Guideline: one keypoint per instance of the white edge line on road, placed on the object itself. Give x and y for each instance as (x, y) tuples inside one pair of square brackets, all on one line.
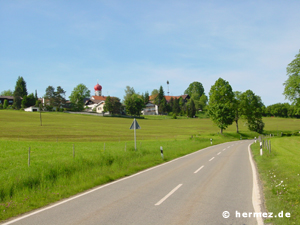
[(168, 195), (198, 169), (211, 158), (255, 190), (98, 188)]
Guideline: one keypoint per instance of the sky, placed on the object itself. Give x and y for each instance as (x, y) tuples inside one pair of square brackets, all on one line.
[(144, 44)]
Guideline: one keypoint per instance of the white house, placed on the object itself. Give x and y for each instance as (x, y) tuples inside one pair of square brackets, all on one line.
[(150, 109)]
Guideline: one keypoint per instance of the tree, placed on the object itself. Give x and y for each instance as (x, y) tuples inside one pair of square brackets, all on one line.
[(195, 88), (145, 97), (134, 105), (129, 91), (28, 101), (252, 108), (176, 108), (49, 96), (162, 108), (7, 93), (292, 84), (112, 105), (59, 97), (160, 96), (77, 96), (202, 102), (5, 104), (220, 103), (154, 93), (20, 92), (191, 108), (170, 105), (237, 108)]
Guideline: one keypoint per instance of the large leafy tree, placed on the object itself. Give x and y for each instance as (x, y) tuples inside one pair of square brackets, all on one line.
[(292, 84), (28, 101), (20, 92), (77, 96), (112, 105), (237, 108), (251, 107), (220, 105), (129, 91), (134, 105), (196, 92), (195, 88)]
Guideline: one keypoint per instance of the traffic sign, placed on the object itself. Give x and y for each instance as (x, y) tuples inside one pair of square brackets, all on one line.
[(135, 125)]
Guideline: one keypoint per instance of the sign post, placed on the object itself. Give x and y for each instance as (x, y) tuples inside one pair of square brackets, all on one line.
[(134, 126)]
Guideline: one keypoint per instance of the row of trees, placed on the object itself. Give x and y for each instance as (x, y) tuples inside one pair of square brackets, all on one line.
[(57, 98), (282, 110), (225, 107), (20, 94)]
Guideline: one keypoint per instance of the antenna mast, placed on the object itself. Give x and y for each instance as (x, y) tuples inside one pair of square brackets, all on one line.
[(168, 87)]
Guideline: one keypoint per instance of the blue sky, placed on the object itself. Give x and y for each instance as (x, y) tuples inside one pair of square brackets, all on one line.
[(143, 44)]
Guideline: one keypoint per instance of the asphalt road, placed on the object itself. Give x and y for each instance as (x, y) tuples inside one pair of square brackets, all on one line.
[(194, 189)]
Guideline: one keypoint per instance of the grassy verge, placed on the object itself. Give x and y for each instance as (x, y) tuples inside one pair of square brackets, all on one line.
[(54, 174), (280, 173)]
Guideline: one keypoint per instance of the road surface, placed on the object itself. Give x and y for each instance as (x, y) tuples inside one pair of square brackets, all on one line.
[(199, 188)]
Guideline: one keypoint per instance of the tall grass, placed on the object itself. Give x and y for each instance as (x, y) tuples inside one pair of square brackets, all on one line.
[(280, 171), (54, 174)]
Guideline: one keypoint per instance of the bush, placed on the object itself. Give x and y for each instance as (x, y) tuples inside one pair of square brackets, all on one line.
[(1, 106), (174, 116)]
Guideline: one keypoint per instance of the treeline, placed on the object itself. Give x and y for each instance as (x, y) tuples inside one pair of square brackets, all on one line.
[(282, 110), (134, 102), (21, 97)]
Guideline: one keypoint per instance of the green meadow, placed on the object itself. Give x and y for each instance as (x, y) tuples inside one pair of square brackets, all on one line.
[(280, 172), (71, 153)]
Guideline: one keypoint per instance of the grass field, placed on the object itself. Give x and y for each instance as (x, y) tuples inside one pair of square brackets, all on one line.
[(54, 173), (280, 172)]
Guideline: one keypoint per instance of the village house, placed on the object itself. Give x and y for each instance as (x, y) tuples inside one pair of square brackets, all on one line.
[(10, 99), (152, 109), (97, 101)]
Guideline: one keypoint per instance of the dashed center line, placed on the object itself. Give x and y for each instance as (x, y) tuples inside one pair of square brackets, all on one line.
[(219, 153), (224, 149), (198, 169), (168, 195), (212, 158)]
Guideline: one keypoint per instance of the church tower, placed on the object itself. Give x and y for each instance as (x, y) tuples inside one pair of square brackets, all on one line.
[(98, 89)]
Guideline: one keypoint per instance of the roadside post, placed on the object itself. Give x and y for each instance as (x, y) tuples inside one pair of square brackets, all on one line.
[(211, 141), (162, 152), (255, 139), (29, 157), (261, 151), (134, 126)]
